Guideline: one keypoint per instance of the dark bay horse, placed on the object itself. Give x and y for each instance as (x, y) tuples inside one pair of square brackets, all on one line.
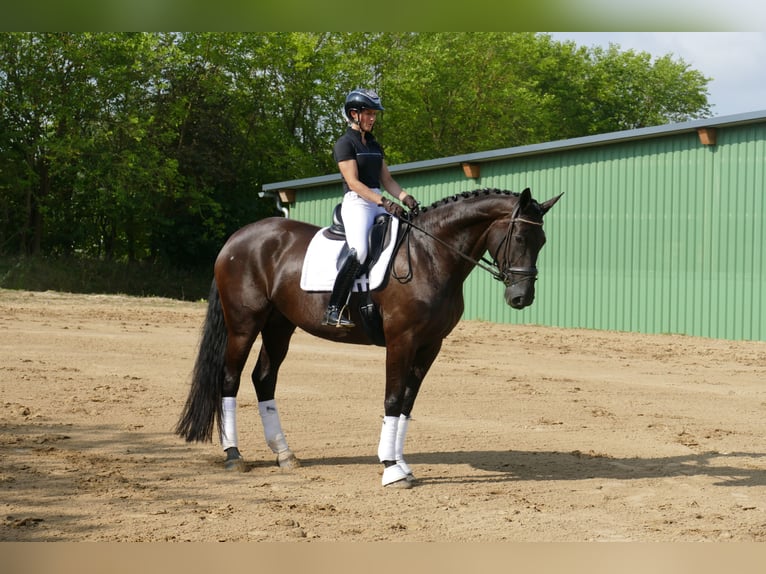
[(257, 290)]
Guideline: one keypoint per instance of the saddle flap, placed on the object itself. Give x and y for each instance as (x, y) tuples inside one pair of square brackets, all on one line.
[(320, 262), (379, 238)]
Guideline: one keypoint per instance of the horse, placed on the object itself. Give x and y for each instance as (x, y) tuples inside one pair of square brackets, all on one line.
[(256, 290)]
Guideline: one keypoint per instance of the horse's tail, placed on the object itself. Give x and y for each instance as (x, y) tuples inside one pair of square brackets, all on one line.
[(203, 405)]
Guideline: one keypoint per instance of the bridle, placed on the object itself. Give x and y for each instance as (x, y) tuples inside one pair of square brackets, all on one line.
[(506, 275), (491, 267)]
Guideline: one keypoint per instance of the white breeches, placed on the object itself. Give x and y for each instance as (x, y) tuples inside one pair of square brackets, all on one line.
[(358, 216)]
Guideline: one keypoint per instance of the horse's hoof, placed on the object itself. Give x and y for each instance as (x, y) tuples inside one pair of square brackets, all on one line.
[(399, 484), (287, 460), (235, 464), (234, 460), (406, 470)]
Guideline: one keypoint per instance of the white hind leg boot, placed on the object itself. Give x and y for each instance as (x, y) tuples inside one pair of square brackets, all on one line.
[(229, 423), (272, 427)]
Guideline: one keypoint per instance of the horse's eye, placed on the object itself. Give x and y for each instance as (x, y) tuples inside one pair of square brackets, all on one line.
[(519, 239)]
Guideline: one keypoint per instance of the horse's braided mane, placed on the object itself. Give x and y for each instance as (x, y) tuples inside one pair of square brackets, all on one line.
[(467, 195)]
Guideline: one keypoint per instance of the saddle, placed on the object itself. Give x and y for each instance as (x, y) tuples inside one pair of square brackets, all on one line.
[(377, 240)]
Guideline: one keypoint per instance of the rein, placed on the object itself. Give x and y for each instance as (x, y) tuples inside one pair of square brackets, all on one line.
[(491, 267)]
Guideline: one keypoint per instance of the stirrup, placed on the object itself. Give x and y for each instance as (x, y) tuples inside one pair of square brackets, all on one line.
[(334, 316)]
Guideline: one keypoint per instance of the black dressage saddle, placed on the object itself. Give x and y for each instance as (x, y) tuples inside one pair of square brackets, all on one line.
[(377, 240)]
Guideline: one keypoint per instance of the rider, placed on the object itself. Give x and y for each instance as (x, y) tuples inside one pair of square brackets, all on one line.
[(363, 167)]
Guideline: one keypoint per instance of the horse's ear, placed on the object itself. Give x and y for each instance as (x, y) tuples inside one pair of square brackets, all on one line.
[(550, 203), (524, 198)]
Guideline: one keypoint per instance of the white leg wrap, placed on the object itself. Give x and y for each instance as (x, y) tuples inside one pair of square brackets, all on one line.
[(387, 445), (229, 423), (401, 435), (272, 427)]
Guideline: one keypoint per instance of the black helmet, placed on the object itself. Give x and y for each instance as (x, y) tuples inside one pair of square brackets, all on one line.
[(361, 99)]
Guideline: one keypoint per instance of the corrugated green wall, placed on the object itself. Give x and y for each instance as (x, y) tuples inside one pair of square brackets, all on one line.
[(660, 235)]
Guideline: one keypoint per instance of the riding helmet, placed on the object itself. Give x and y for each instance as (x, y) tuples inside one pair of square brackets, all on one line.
[(361, 99)]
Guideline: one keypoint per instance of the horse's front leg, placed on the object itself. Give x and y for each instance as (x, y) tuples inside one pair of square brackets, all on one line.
[(398, 362), (423, 361), (404, 374)]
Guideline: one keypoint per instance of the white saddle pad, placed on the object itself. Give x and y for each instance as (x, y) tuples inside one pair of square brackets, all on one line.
[(319, 265)]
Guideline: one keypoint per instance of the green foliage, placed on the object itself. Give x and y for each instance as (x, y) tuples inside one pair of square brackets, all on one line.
[(454, 93), (144, 148), (628, 90)]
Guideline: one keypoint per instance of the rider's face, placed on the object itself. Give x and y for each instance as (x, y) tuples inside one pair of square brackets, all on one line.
[(367, 119)]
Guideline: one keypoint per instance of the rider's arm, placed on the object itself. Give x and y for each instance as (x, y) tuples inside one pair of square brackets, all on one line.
[(390, 184), (350, 172)]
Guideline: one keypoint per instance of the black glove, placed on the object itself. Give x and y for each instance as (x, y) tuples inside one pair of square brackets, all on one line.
[(393, 208), (411, 203)]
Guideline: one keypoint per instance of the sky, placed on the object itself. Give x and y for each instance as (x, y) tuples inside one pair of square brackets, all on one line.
[(734, 61)]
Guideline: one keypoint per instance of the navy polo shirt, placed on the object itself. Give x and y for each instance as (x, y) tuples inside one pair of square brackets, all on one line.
[(369, 158)]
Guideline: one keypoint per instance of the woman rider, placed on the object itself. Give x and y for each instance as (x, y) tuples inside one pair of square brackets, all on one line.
[(363, 167)]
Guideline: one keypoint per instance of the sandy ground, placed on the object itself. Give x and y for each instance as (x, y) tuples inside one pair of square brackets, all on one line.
[(520, 433)]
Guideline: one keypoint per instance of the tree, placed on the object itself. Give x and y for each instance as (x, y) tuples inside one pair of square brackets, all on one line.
[(153, 146), (636, 92), (77, 112), (40, 85), (453, 93)]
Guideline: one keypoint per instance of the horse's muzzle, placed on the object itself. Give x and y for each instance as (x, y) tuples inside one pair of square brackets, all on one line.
[(520, 290), (519, 301)]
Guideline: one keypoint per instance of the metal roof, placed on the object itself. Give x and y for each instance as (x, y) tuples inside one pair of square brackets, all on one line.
[(541, 148)]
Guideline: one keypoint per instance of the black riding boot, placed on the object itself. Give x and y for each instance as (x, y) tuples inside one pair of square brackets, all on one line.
[(341, 292)]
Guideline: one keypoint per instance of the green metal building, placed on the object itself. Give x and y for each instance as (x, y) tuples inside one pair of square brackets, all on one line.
[(660, 230)]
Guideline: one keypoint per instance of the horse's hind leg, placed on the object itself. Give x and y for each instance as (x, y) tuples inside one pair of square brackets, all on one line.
[(237, 350), (276, 340)]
